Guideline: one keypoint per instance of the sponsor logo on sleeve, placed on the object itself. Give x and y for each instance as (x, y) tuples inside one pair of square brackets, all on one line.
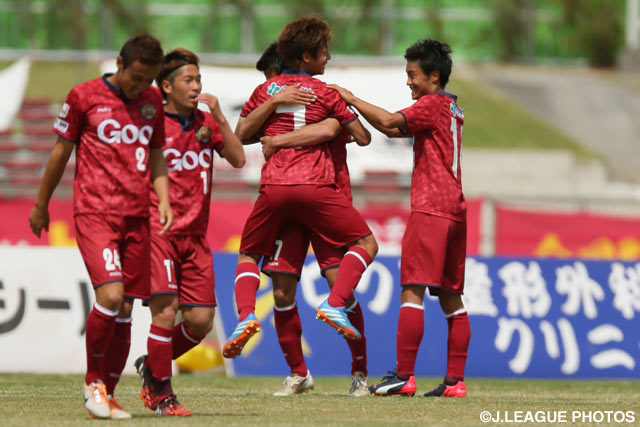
[(203, 134), (456, 111), (61, 125), (64, 111), (148, 111)]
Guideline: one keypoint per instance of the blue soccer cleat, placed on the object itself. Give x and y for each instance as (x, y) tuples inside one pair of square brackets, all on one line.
[(240, 335), (337, 317)]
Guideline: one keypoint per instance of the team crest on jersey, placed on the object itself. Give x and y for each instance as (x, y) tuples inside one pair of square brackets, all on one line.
[(148, 111), (203, 134)]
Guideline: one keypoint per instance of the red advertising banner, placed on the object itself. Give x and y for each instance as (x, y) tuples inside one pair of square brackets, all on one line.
[(581, 235), (225, 226)]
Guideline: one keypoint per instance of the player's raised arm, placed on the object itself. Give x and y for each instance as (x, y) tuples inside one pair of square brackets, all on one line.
[(232, 151), (383, 120), (160, 181), (308, 135), (39, 216), (248, 126)]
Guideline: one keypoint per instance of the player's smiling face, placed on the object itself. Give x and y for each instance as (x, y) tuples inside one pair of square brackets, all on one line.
[(420, 83), (315, 66), (186, 87), (136, 78)]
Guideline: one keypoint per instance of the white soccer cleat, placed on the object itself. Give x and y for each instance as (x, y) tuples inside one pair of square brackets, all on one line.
[(117, 411), (295, 384), (358, 385), (95, 400)]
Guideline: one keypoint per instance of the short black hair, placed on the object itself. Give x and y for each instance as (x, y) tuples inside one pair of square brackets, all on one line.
[(432, 55), (144, 48), (174, 60), (270, 59)]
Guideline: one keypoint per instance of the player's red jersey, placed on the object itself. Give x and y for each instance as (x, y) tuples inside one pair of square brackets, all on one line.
[(338, 149), (435, 121), (113, 136), (308, 165), (188, 149)]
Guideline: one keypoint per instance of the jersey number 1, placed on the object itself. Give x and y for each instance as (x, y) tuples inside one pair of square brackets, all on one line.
[(299, 112), (456, 153)]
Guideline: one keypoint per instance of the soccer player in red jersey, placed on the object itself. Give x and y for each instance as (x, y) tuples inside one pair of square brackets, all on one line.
[(297, 184), (434, 243), (181, 263), (116, 123), (285, 267)]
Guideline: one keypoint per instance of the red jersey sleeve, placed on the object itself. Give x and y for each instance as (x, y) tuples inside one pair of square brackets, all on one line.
[(337, 107), (254, 102), (216, 135), (70, 121), (422, 115), (157, 139)]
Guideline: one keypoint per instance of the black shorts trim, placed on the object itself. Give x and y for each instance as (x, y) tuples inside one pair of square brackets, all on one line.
[(269, 271), (189, 304), (107, 282), (432, 288), (323, 270)]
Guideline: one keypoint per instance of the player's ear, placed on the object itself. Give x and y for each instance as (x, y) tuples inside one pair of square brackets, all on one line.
[(434, 77), (120, 63), (166, 86), (306, 56)]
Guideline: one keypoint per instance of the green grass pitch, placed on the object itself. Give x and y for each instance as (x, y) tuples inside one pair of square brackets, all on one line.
[(35, 400)]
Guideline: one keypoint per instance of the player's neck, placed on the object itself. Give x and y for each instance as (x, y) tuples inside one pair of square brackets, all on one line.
[(172, 108)]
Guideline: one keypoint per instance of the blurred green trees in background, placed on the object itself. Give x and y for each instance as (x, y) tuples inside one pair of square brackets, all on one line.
[(507, 30)]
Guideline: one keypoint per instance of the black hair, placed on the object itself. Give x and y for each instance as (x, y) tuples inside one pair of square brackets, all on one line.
[(270, 59), (432, 56), (143, 48)]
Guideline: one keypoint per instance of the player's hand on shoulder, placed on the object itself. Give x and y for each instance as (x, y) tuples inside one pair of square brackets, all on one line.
[(346, 94), (39, 219), (294, 95), (268, 146)]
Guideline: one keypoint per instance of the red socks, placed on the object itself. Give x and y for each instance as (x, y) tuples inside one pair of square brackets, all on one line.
[(353, 264), (410, 330), (99, 329), (247, 283), (289, 331), (160, 349), (457, 343), (358, 347), (117, 353), (183, 340)]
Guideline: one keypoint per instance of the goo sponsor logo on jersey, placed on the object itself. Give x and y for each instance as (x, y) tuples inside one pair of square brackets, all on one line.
[(187, 161), (111, 131)]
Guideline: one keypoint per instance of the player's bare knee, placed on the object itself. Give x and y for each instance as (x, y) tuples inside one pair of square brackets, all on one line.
[(450, 303), (201, 327), (282, 298), (369, 244)]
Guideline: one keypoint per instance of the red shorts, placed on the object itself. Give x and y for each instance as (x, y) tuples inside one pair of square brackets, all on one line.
[(182, 265), (115, 249), (321, 209), (291, 248), (434, 251)]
